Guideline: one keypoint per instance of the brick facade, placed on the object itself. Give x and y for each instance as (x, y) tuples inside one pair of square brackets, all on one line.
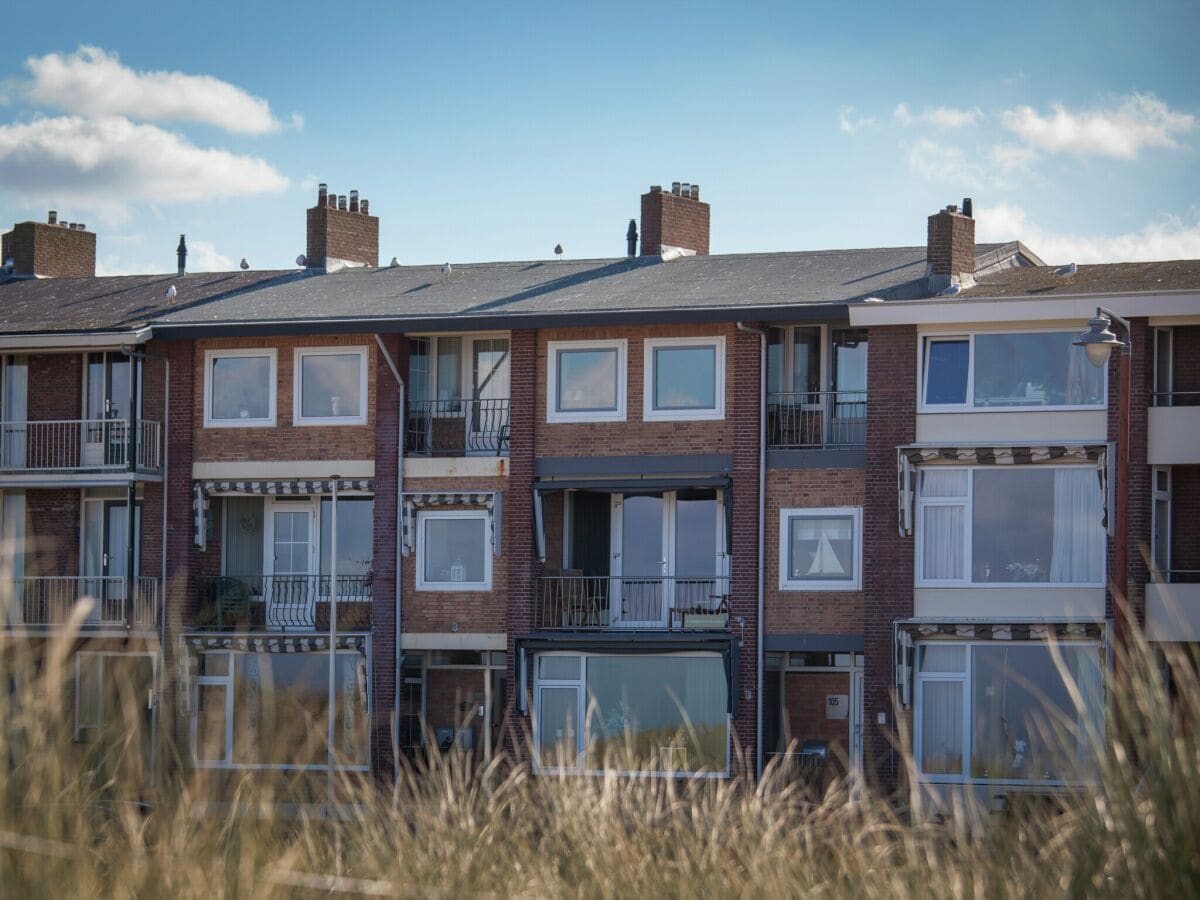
[(950, 247), (51, 251), (337, 234), (673, 220)]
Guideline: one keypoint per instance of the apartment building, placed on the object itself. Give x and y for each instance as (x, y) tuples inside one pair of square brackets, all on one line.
[(666, 511)]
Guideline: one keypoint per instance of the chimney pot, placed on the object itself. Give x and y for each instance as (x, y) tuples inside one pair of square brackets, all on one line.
[(332, 198), (52, 218), (344, 241), (365, 207), (685, 189), (322, 193), (665, 224), (675, 188), (342, 202), (968, 208), (656, 188), (354, 201), (82, 227), (695, 192)]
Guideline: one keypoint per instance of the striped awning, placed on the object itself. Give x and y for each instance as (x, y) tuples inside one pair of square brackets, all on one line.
[(275, 643), (202, 490), (907, 458), (489, 500)]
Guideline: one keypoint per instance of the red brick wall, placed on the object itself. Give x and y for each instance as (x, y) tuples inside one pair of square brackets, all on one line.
[(52, 524), (1138, 487), (55, 386), (53, 251), (674, 220), (950, 248), (819, 612), (341, 234)]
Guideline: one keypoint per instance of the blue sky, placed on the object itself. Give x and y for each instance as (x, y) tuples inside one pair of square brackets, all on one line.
[(494, 131)]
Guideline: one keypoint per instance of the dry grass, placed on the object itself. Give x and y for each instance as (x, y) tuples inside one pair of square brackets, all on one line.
[(452, 831)]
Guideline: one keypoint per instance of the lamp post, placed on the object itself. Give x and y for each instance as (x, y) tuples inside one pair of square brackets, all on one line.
[(1099, 342)]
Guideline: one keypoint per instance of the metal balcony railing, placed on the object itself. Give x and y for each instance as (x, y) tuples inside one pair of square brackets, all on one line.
[(816, 419), (571, 602), (49, 600), (461, 426), (1176, 576), (66, 445), (1175, 398), (280, 601)]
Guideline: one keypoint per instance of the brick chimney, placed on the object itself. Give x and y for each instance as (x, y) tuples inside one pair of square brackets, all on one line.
[(675, 219), (950, 247), (338, 235), (50, 249)]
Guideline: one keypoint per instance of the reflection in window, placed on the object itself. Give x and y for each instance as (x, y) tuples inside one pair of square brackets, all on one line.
[(454, 553), (587, 380), (241, 388), (1034, 370), (685, 377), (946, 371), (330, 385), (356, 543), (821, 548)]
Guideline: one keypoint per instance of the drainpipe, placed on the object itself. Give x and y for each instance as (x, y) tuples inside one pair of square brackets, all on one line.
[(399, 521), (762, 508)]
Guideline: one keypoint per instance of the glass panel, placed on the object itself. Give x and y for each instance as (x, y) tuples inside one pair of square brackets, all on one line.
[(941, 727), (1162, 518), (944, 482), (244, 517), (1025, 725), (1162, 365), (291, 543), (455, 658), (821, 548), (418, 369), (806, 360), (943, 658), (942, 542), (657, 713), (14, 410), (849, 359), (498, 658), (449, 368), (350, 728), (210, 722), (946, 371), (685, 377), (356, 542), (558, 726), (642, 536), (12, 542), (95, 387), (489, 368), (1034, 370), (213, 665), (775, 346), (455, 550), (587, 380), (329, 385), (241, 388), (558, 668), (118, 386), (695, 537)]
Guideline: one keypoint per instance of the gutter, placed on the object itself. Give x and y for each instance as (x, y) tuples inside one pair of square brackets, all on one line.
[(70, 342), (762, 509)]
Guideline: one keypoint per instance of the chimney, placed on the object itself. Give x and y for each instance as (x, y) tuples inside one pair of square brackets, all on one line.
[(675, 219), (50, 249), (950, 248), (181, 253), (631, 238), (340, 233)]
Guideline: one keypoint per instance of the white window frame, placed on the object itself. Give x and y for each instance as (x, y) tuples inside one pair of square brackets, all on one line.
[(714, 413), (967, 503), (211, 356), (298, 417), (1157, 540), (964, 678), (787, 583), (554, 414), (426, 515), (928, 337)]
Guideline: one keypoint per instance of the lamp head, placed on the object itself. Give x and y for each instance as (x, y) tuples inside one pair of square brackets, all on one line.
[(1099, 341)]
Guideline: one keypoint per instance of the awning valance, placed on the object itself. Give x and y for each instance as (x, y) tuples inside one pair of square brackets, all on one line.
[(489, 500), (202, 490), (907, 458), (274, 643)]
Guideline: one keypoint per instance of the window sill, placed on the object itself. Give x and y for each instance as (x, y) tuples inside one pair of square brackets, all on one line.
[(819, 587), (340, 420), (692, 415), (239, 423)]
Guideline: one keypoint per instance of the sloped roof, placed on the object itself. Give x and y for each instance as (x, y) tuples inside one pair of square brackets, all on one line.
[(1104, 278)]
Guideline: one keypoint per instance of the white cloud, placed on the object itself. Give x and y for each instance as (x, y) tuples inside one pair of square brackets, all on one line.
[(1167, 238), (940, 116), (951, 165), (1120, 132), (106, 164), (94, 82), (203, 256), (849, 124), (1012, 157)]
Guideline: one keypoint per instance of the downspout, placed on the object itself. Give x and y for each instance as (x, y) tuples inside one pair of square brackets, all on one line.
[(762, 509), (399, 522)]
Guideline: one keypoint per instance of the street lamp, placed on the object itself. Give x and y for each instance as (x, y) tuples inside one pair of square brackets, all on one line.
[(1099, 341)]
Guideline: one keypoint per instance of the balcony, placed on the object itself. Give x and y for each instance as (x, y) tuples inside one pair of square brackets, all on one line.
[(48, 602), (1174, 422), (1173, 606), (78, 445), (281, 602), (457, 427), (817, 420), (570, 602)]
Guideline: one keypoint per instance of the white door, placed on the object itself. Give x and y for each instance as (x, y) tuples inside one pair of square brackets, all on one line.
[(639, 561), (487, 413), (291, 592)]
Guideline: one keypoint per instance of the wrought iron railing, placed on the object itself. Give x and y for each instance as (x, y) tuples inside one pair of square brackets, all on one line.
[(570, 602), (460, 426), (277, 601), (50, 600), (816, 419), (64, 445), (1175, 398)]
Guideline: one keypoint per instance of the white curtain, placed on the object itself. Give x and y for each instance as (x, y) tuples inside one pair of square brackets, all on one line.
[(942, 542), (1089, 678), (1085, 382), (941, 727), (1078, 553)]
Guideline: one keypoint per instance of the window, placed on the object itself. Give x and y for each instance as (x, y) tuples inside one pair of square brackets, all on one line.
[(239, 388), (820, 549), (1003, 711), (585, 381), (1004, 370), (1160, 539), (453, 552), (659, 714), (356, 545), (684, 379), (331, 386), (1010, 525)]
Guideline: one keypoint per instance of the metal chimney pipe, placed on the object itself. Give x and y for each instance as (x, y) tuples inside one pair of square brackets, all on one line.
[(675, 188), (631, 237), (322, 194), (354, 201), (181, 254), (365, 207), (52, 218), (342, 202)]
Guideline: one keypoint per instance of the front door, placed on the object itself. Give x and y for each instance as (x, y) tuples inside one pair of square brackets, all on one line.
[(291, 594), (106, 409), (639, 561), (106, 559)]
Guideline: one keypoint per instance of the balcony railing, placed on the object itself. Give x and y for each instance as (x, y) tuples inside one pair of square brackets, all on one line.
[(1176, 576), (49, 600), (280, 602), (816, 419), (653, 603), (457, 427), (66, 445), (1175, 398)]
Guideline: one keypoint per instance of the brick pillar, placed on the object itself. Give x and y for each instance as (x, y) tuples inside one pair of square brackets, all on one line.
[(744, 375), (519, 549), (384, 564), (1139, 505), (888, 557)]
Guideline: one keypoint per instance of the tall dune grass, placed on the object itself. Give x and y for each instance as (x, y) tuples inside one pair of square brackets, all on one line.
[(75, 825)]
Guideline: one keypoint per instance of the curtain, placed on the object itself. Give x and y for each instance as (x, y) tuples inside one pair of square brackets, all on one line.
[(1078, 551), (942, 727), (1085, 382), (15, 411), (12, 549), (942, 542), (1089, 678)]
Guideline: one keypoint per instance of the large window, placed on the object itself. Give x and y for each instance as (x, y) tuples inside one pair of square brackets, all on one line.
[(239, 388), (585, 381), (1004, 711), (998, 371), (820, 549), (684, 379), (453, 551), (331, 386), (1010, 525), (666, 713), (355, 545)]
